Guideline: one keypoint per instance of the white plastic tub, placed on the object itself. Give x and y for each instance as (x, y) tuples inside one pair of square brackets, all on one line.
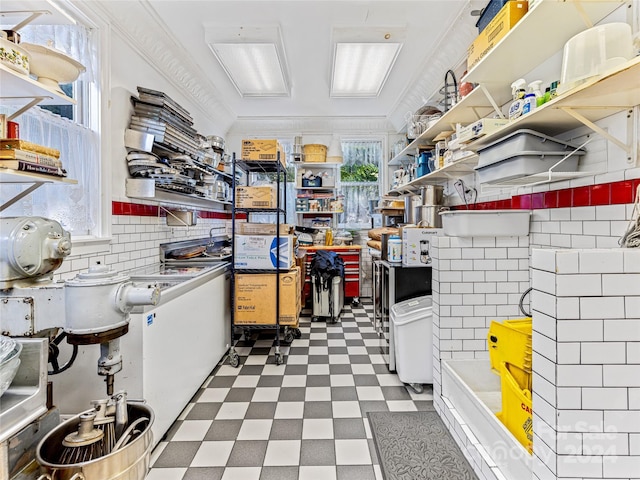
[(485, 223), (523, 142), (527, 163), (412, 337)]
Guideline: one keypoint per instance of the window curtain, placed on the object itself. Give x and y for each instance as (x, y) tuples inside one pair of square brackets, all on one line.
[(76, 207), (359, 181)]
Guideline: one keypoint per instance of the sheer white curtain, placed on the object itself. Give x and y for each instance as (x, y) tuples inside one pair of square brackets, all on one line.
[(76, 207), (359, 180)]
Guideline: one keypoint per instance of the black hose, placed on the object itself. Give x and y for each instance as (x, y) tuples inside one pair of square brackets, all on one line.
[(520, 304)]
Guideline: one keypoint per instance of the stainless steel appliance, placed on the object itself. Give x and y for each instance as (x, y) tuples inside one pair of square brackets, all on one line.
[(92, 308), (394, 283)]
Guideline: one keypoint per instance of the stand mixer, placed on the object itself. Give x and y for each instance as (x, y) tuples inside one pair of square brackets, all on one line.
[(92, 308)]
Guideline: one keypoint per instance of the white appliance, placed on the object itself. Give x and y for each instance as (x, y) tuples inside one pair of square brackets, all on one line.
[(171, 349), (412, 331)]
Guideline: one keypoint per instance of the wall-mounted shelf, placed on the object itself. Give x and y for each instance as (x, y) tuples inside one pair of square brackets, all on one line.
[(315, 188), (180, 199), (8, 175), (18, 89), (482, 101), (453, 170), (585, 104), (541, 33), (536, 179)]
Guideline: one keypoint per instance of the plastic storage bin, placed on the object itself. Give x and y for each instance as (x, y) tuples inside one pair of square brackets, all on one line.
[(488, 12), (593, 52), (517, 408), (322, 301), (523, 164), (522, 141), (411, 322)]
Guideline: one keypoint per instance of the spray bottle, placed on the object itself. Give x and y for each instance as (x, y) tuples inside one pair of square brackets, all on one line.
[(518, 91)]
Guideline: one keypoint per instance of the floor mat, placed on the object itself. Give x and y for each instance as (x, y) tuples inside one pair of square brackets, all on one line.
[(417, 446)]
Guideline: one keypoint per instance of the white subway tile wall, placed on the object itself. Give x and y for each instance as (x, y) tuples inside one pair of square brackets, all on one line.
[(474, 281), (593, 381), (579, 227)]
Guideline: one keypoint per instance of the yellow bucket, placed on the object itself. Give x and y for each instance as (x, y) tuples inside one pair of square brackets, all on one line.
[(314, 153), (517, 409), (510, 342)]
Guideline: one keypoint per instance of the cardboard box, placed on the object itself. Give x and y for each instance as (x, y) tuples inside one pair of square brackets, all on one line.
[(484, 126), (248, 228), (255, 298), (416, 245), (497, 28), (260, 251), (256, 197), (262, 150)]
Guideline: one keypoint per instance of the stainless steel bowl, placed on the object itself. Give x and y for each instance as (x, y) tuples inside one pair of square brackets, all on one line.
[(130, 462)]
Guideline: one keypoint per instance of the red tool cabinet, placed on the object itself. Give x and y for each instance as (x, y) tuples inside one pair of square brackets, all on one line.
[(350, 255)]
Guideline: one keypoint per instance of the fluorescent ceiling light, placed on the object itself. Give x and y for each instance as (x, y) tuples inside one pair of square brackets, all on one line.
[(253, 58), (360, 69)]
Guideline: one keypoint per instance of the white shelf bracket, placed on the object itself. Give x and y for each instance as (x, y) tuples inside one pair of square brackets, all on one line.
[(33, 15), (585, 121), (21, 195), (491, 100), (34, 101)]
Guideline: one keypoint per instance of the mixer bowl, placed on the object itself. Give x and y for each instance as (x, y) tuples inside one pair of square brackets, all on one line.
[(130, 462), (9, 363)]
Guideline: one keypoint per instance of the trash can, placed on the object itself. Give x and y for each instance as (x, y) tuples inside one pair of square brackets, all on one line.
[(328, 302), (411, 321)]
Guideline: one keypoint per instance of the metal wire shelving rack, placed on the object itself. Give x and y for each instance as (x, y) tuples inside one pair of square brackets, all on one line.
[(267, 167)]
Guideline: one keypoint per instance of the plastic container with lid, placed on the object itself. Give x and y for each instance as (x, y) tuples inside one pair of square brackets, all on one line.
[(593, 52), (394, 249), (412, 329)]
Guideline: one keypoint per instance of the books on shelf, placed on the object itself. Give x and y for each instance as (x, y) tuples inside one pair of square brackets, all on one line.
[(12, 154), (26, 166), (18, 144)]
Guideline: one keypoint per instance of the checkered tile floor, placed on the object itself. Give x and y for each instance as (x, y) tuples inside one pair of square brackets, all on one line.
[(303, 420)]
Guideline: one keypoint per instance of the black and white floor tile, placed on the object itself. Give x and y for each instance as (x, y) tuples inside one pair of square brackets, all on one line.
[(303, 420)]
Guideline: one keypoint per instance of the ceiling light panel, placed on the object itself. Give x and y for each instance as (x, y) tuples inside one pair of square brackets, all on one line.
[(360, 69), (253, 58), (363, 58)]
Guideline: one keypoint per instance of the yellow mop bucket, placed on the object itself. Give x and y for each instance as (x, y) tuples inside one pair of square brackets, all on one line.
[(510, 342), (517, 409)]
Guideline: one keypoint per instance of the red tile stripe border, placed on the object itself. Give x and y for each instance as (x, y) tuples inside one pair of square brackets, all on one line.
[(140, 210), (615, 193)]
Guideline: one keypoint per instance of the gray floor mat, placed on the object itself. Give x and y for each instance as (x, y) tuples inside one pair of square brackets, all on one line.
[(417, 446)]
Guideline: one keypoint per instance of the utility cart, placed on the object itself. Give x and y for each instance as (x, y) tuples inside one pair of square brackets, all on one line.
[(263, 285)]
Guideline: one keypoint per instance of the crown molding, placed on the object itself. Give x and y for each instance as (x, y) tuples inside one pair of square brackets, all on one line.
[(152, 40)]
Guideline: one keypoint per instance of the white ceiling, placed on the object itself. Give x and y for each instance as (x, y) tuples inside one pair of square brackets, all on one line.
[(306, 28), (171, 33)]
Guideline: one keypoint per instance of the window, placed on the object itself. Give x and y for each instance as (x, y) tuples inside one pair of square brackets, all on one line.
[(71, 129), (359, 179)]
